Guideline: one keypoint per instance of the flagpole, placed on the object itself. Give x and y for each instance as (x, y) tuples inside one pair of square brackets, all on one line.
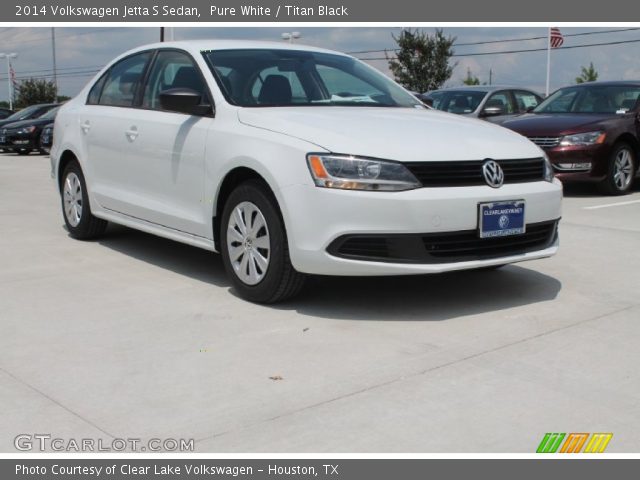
[(546, 93)]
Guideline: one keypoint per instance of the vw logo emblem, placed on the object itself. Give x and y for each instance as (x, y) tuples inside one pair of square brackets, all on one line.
[(503, 221), (493, 174)]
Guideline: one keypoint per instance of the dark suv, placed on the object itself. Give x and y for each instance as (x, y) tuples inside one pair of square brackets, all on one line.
[(590, 133)]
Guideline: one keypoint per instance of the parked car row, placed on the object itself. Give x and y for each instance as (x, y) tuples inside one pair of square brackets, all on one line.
[(590, 132), (22, 132)]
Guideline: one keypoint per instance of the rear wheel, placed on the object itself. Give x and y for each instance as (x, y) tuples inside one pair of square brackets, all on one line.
[(75, 205), (621, 169), (254, 247)]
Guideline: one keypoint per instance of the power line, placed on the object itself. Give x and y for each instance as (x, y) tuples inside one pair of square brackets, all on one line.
[(487, 42), (568, 47)]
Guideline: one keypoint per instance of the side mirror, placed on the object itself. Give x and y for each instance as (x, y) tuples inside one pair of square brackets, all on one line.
[(492, 111), (184, 100)]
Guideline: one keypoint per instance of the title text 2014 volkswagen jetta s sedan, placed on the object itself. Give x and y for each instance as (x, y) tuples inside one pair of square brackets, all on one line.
[(294, 160)]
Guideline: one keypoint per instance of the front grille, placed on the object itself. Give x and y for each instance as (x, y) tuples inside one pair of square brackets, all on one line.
[(445, 247), (469, 172), (546, 142)]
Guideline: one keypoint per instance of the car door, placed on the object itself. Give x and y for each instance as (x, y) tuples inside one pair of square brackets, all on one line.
[(166, 149), (103, 124)]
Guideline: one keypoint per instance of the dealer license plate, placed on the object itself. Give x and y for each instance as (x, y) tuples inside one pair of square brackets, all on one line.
[(501, 219)]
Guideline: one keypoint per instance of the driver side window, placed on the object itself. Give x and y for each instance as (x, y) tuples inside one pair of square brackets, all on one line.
[(171, 69)]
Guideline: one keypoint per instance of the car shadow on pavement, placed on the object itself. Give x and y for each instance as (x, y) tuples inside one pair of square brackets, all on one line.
[(590, 190), (404, 298), (183, 259), (423, 297)]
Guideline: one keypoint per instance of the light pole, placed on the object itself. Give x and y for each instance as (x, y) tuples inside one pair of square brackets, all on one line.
[(291, 36), (9, 56)]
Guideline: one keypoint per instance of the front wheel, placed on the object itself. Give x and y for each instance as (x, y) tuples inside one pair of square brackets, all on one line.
[(75, 205), (254, 247), (620, 170)]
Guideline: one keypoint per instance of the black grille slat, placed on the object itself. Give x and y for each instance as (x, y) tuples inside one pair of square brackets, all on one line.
[(442, 247), (469, 173)]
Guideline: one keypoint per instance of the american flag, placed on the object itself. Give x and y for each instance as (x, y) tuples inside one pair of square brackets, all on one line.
[(12, 75), (555, 37)]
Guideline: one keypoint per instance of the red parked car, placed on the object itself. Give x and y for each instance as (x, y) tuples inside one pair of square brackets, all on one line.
[(590, 133)]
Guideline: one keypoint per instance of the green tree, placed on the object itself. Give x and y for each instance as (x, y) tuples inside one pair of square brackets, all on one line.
[(471, 79), (4, 104), (589, 74), (62, 98), (422, 60), (35, 90)]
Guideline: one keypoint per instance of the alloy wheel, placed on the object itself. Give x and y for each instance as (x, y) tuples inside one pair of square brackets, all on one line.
[(248, 243), (623, 169), (72, 199)]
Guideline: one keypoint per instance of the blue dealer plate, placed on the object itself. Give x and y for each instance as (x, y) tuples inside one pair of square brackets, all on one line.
[(500, 219)]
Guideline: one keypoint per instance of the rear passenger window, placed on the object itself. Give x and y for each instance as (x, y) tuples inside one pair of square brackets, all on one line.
[(96, 90), (123, 80)]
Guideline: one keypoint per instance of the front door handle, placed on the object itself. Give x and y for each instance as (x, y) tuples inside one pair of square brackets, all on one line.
[(86, 126), (132, 133)]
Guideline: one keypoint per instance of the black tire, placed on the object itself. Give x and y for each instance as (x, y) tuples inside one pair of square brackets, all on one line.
[(279, 280), (23, 151), (612, 185), (88, 227)]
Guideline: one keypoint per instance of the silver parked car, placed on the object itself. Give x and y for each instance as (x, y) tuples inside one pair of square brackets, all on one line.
[(496, 103)]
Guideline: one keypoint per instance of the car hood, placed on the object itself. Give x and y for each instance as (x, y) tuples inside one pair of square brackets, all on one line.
[(555, 124), (38, 122), (409, 135)]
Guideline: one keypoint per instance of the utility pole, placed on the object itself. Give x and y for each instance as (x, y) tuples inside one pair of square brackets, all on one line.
[(55, 69), (490, 76)]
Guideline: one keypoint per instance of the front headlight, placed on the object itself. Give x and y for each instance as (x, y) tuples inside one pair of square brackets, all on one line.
[(353, 173), (583, 139), (28, 129), (548, 169)]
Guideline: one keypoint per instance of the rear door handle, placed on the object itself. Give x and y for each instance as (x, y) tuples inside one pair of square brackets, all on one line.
[(132, 133), (86, 126)]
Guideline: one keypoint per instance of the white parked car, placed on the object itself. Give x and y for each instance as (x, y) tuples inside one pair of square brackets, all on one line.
[(293, 160)]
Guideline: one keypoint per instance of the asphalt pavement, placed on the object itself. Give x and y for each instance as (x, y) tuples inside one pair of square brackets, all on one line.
[(135, 336)]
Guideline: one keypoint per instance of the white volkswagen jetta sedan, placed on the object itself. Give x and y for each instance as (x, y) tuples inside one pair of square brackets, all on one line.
[(293, 160)]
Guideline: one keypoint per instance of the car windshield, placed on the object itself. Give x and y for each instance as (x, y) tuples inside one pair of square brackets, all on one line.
[(457, 101), (272, 77), (24, 113), (591, 99), (50, 115)]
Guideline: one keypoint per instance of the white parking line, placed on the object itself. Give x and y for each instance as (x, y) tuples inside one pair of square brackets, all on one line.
[(607, 205)]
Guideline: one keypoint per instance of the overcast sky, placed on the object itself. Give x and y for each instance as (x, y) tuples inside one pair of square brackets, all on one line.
[(80, 51)]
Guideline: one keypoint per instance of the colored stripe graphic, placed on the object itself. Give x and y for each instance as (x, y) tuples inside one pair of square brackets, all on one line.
[(550, 442), (598, 443), (574, 443)]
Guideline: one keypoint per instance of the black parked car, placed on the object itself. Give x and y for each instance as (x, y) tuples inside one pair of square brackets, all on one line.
[(24, 136), (33, 111), (46, 139)]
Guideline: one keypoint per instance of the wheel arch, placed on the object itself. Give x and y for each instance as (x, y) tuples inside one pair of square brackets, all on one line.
[(66, 157), (632, 140), (231, 180)]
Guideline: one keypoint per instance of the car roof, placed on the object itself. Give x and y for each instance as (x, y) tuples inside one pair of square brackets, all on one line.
[(482, 88), (608, 83), (197, 46)]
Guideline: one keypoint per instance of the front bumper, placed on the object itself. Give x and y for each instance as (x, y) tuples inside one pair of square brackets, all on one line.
[(18, 142), (315, 217), (596, 155)]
